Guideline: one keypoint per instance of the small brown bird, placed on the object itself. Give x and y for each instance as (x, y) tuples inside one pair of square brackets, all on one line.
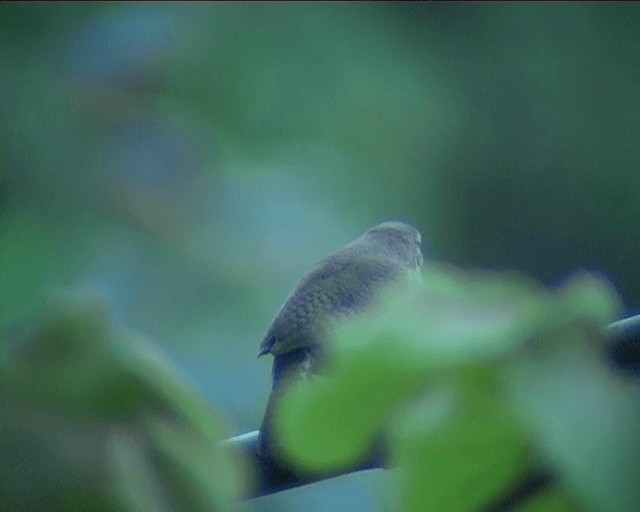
[(345, 283)]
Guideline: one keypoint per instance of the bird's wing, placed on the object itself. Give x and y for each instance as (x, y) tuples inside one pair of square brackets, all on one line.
[(336, 288)]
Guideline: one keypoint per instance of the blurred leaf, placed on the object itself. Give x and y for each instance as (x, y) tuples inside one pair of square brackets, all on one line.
[(454, 343), (464, 462), (384, 360), (550, 500), (136, 487), (329, 423), (87, 410), (69, 363), (190, 464), (585, 422), (164, 387)]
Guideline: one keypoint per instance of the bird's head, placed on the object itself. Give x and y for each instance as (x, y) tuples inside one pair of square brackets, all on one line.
[(398, 241)]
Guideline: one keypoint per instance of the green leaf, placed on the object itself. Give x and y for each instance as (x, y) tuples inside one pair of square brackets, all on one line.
[(550, 500), (97, 420), (135, 485), (463, 462), (197, 474), (585, 422), (436, 365), (329, 423), (382, 361)]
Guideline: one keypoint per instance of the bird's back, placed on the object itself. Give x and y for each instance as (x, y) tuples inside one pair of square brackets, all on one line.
[(338, 287)]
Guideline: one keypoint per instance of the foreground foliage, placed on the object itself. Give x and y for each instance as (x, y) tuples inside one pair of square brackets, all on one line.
[(474, 380), (94, 419), (469, 380)]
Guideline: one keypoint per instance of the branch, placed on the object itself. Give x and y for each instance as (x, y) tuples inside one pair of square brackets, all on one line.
[(270, 477), (623, 351), (624, 345)]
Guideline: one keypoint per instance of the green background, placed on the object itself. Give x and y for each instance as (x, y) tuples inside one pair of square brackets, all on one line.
[(190, 162)]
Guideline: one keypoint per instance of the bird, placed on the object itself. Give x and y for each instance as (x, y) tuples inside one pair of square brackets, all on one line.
[(343, 285)]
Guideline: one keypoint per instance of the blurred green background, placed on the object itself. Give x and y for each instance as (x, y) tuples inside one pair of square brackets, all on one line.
[(190, 162)]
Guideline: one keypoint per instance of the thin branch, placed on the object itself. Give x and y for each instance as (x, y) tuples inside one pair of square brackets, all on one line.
[(270, 477), (624, 345)]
